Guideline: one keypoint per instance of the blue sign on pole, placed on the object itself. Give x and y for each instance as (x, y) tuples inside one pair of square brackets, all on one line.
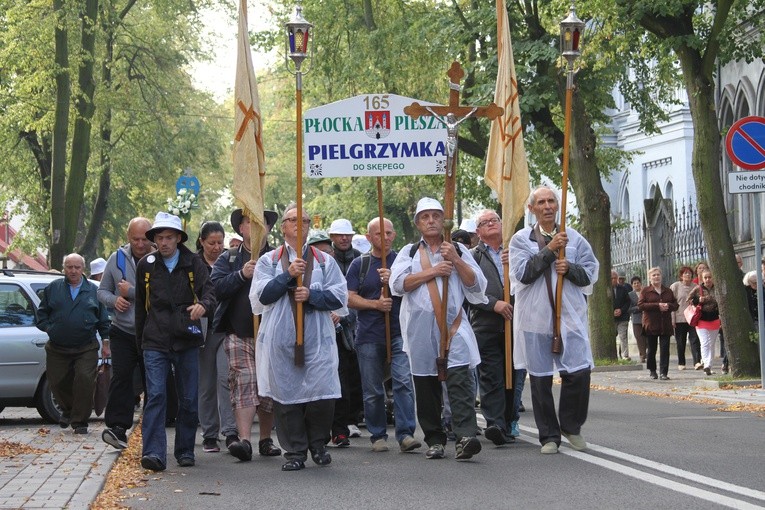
[(189, 182), (745, 143)]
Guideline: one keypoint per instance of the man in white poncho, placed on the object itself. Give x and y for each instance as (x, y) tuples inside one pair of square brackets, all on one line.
[(304, 397), (417, 267), (534, 271)]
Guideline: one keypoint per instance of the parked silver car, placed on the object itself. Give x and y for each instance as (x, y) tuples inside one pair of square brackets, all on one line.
[(22, 346)]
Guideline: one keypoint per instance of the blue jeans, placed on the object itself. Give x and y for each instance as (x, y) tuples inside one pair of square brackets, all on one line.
[(186, 366), (372, 367), (519, 381)]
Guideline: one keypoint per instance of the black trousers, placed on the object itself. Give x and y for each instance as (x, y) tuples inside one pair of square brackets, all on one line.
[(663, 341), (350, 405), (125, 359), (429, 401), (496, 401), (303, 427), (573, 405)]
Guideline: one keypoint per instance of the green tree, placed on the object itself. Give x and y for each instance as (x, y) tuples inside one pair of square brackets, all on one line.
[(704, 35), (132, 102)]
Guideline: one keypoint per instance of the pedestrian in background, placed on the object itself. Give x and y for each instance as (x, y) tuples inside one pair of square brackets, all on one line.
[(97, 268), (232, 276), (349, 407), (684, 332), (621, 301), (657, 304), (709, 325), (71, 315), (215, 414), (366, 279), (637, 316), (117, 291)]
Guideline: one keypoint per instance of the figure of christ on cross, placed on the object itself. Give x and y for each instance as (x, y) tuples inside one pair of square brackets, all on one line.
[(451, 116)]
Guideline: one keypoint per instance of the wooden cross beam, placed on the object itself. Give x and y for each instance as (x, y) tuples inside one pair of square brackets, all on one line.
[(455, 74), (450, 116)]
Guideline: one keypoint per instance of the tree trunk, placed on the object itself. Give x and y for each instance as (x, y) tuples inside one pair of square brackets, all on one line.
[(60, 134), (93, 236), (595, 216), (78, 170), (736, 321)]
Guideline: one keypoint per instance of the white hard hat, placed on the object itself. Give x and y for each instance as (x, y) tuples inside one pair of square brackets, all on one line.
[(427, 204)]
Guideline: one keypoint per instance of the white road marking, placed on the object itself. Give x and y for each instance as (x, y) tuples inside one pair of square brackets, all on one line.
[(690, 490)]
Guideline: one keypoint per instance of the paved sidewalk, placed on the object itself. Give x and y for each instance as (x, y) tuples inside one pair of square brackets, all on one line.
[(73, 470), (70, 473)]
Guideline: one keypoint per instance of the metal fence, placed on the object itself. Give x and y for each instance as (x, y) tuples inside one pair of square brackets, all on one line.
[(678, 237)]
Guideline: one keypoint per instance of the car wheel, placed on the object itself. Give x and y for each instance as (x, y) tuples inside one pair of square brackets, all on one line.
[(46, 404)]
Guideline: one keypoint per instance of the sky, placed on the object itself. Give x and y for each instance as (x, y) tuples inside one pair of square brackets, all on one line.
[(217, 75)]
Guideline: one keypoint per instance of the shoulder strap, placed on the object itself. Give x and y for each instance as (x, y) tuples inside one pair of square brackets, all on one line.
[(191, 284), (146, 278), (319, 255), (435, 299), (366, 261)]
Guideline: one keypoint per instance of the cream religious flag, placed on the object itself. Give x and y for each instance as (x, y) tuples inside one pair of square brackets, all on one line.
[(507, 171), (249, 159)]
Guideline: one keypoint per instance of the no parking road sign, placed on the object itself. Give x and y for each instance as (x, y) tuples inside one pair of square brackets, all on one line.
[(745, 145)]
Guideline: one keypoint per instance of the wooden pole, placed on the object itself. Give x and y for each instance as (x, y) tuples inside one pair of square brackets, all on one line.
[(508, 331), (557, 347), (384, 264), (299, 347)]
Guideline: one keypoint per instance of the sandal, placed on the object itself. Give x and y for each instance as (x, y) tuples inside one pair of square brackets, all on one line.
[(293, 465), (267, 448)]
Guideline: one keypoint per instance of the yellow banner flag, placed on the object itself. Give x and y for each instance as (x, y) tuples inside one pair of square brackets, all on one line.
[(249, 159), (507, 171)]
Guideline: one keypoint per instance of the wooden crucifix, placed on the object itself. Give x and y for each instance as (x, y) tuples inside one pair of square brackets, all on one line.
[(451, 117)]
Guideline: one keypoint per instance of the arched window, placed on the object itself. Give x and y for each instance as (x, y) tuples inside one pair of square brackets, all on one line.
[(726, 120), (625, 212), (668, 190)]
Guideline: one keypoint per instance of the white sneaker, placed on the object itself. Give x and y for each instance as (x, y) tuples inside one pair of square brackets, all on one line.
[(381, 445), (353, 431)]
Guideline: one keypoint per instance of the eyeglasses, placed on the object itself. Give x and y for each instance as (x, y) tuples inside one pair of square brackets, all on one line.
[(294, 220), (492, 221)]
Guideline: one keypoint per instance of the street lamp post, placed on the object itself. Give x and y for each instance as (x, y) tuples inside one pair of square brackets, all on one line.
[(298, 35), (571, 30)]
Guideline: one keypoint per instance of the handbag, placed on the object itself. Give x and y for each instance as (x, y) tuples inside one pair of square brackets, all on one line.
[(692, 314), (101, 393)]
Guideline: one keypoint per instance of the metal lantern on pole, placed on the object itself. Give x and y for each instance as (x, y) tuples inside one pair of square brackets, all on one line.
[(298, 39), (571, 30)]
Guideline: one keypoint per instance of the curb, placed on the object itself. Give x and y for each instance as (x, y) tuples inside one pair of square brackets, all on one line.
[(618, 368), (717, 384)]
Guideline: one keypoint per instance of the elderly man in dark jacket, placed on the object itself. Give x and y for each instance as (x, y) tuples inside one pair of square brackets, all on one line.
[(499, 405), (173, 292), (71, 314)]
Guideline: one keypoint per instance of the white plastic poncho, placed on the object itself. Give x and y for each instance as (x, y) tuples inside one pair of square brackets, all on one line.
[(418, 322), (278, 377), (533, 316)]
